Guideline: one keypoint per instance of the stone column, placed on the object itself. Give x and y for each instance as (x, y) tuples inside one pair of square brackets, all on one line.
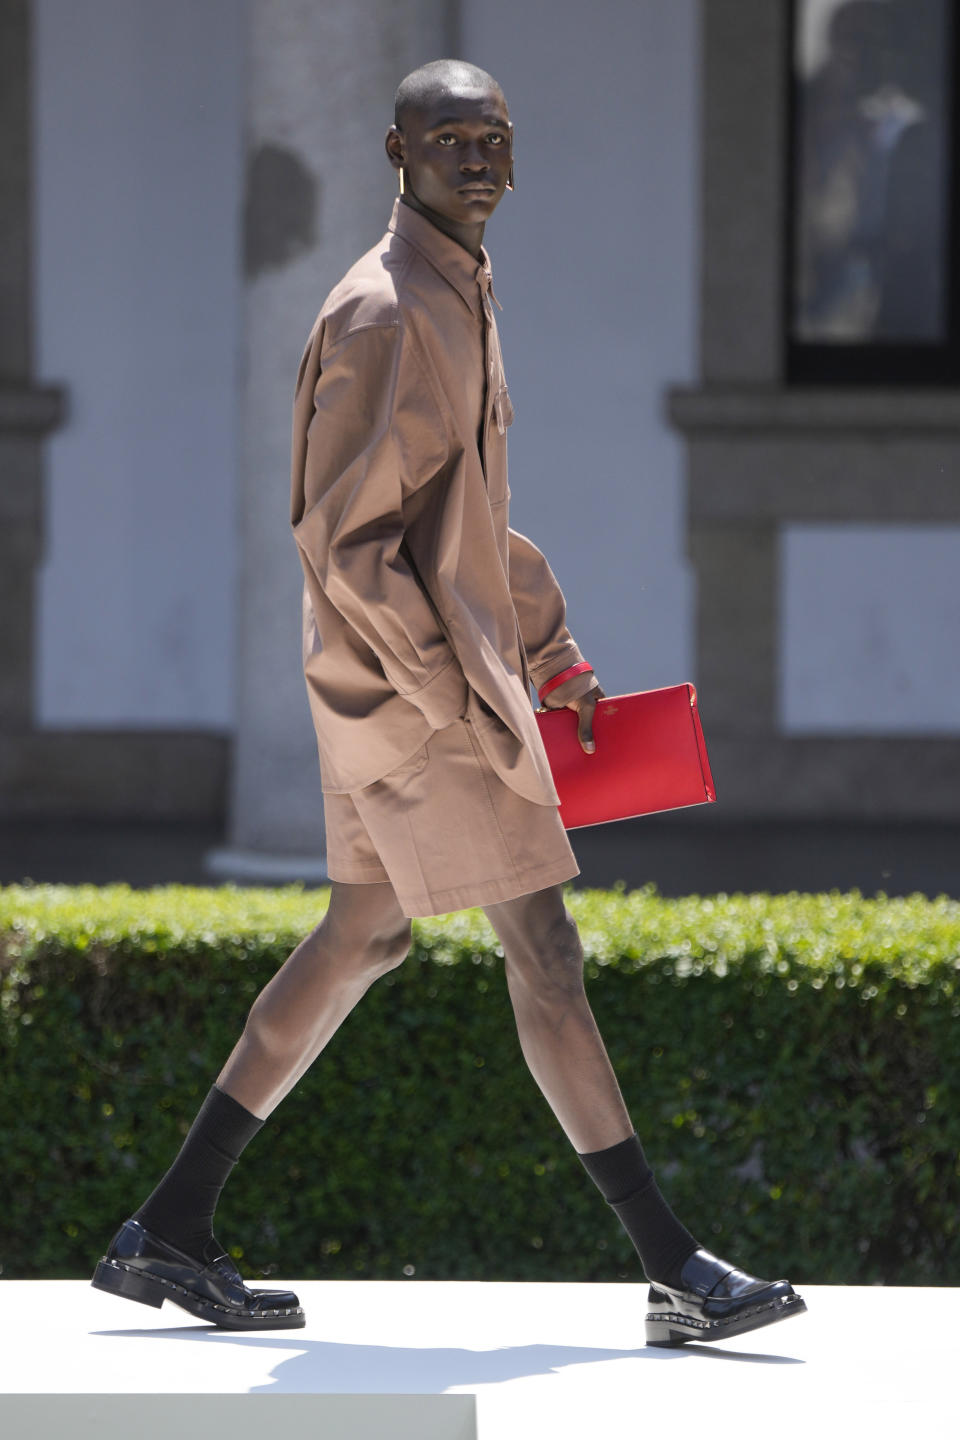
[(320, 84), (741, 344), (27, 412)]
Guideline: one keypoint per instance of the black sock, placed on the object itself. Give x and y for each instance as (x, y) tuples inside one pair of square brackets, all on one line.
[(180, 1210), (626, 1182)]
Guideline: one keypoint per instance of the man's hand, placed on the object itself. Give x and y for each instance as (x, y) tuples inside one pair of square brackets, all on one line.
[(584, 705)]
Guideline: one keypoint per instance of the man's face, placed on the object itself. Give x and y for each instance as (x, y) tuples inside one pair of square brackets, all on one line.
[(457, 154)]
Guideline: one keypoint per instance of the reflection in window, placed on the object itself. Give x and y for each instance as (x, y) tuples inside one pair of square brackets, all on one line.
[(871, 201)]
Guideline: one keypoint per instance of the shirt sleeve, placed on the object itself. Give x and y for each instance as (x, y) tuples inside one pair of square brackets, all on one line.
[(376, 435), (542, 614)]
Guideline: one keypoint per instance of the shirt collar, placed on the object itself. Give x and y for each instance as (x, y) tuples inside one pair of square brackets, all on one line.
[(469, 277)]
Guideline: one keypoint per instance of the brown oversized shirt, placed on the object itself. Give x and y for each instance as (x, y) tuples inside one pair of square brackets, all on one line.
[(421, 605)]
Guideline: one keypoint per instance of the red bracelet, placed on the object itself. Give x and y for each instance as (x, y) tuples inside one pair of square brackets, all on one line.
[(578, 669)]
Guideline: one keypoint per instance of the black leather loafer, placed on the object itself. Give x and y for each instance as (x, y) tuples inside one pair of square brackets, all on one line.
[(716, 1301), (141, 1266)]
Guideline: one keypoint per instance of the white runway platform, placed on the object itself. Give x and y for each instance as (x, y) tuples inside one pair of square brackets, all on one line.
[(419, 1360)]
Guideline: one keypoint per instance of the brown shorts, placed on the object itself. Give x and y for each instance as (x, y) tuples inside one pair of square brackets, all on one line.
[(446, 832)]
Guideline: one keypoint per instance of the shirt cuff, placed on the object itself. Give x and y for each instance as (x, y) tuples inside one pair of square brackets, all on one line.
[(558, 662)]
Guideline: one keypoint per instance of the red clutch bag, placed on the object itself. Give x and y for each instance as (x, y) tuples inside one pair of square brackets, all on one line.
[(650, 756)]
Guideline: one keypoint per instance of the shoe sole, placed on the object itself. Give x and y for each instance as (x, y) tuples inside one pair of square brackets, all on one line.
[(118, 1279), (670, 1329)]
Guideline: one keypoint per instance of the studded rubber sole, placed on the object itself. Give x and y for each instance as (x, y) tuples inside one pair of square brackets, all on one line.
[(118, 1279), (668, 1328)]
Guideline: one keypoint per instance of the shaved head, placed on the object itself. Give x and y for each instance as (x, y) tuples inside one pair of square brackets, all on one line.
[(435, 81), (452, 147)]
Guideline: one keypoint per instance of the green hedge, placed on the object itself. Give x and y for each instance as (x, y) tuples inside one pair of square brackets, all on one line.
[(791, 1062)]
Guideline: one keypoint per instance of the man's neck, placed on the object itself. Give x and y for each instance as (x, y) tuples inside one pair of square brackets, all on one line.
[(469, 236)]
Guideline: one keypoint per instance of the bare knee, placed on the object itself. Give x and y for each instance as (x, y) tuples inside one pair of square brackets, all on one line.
[(334, 962), (386, 951), (367, 947), (563, 953), (364, 932), (549, 962)]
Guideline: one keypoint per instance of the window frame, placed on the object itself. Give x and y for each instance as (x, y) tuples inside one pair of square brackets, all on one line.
[(873, 362)]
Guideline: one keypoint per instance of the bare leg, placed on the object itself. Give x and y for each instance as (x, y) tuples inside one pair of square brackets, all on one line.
[(363, 935), (167, 1250), (558, 1034), (569, 1061)]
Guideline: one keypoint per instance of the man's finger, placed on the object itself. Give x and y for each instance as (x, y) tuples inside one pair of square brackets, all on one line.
[(585, 708)]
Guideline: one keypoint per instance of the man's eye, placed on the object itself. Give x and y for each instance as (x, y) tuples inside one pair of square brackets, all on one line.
[(446, 140), (495, 139)]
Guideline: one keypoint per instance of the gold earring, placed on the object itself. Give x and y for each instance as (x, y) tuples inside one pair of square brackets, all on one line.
[(400, 178), (511, 182)]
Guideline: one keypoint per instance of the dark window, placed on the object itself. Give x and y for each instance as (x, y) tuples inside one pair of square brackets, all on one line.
[(873, 292)]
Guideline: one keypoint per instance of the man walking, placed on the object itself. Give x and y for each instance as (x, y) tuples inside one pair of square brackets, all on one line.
[(425, 620)]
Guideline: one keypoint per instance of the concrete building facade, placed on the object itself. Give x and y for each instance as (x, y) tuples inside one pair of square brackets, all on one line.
[(185, 182)]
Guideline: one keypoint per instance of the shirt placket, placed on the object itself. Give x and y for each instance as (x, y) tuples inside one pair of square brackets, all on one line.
[(496, 390)]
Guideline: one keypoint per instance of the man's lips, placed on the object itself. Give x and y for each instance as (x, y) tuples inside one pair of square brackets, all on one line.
[(476, 189)]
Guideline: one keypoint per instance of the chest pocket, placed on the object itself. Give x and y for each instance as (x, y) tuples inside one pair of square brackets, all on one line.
[(495, 447), (502, 409)]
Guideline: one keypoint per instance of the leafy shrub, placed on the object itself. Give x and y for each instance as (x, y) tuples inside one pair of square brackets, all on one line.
[(792, 1063)]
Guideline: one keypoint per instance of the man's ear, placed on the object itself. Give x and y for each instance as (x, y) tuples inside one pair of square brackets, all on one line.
[(393, 144)]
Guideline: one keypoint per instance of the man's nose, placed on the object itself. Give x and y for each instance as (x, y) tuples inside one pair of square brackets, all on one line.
[(474, 160)]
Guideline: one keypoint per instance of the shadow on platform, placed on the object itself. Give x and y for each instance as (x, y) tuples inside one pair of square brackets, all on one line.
[(340, 1369)]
